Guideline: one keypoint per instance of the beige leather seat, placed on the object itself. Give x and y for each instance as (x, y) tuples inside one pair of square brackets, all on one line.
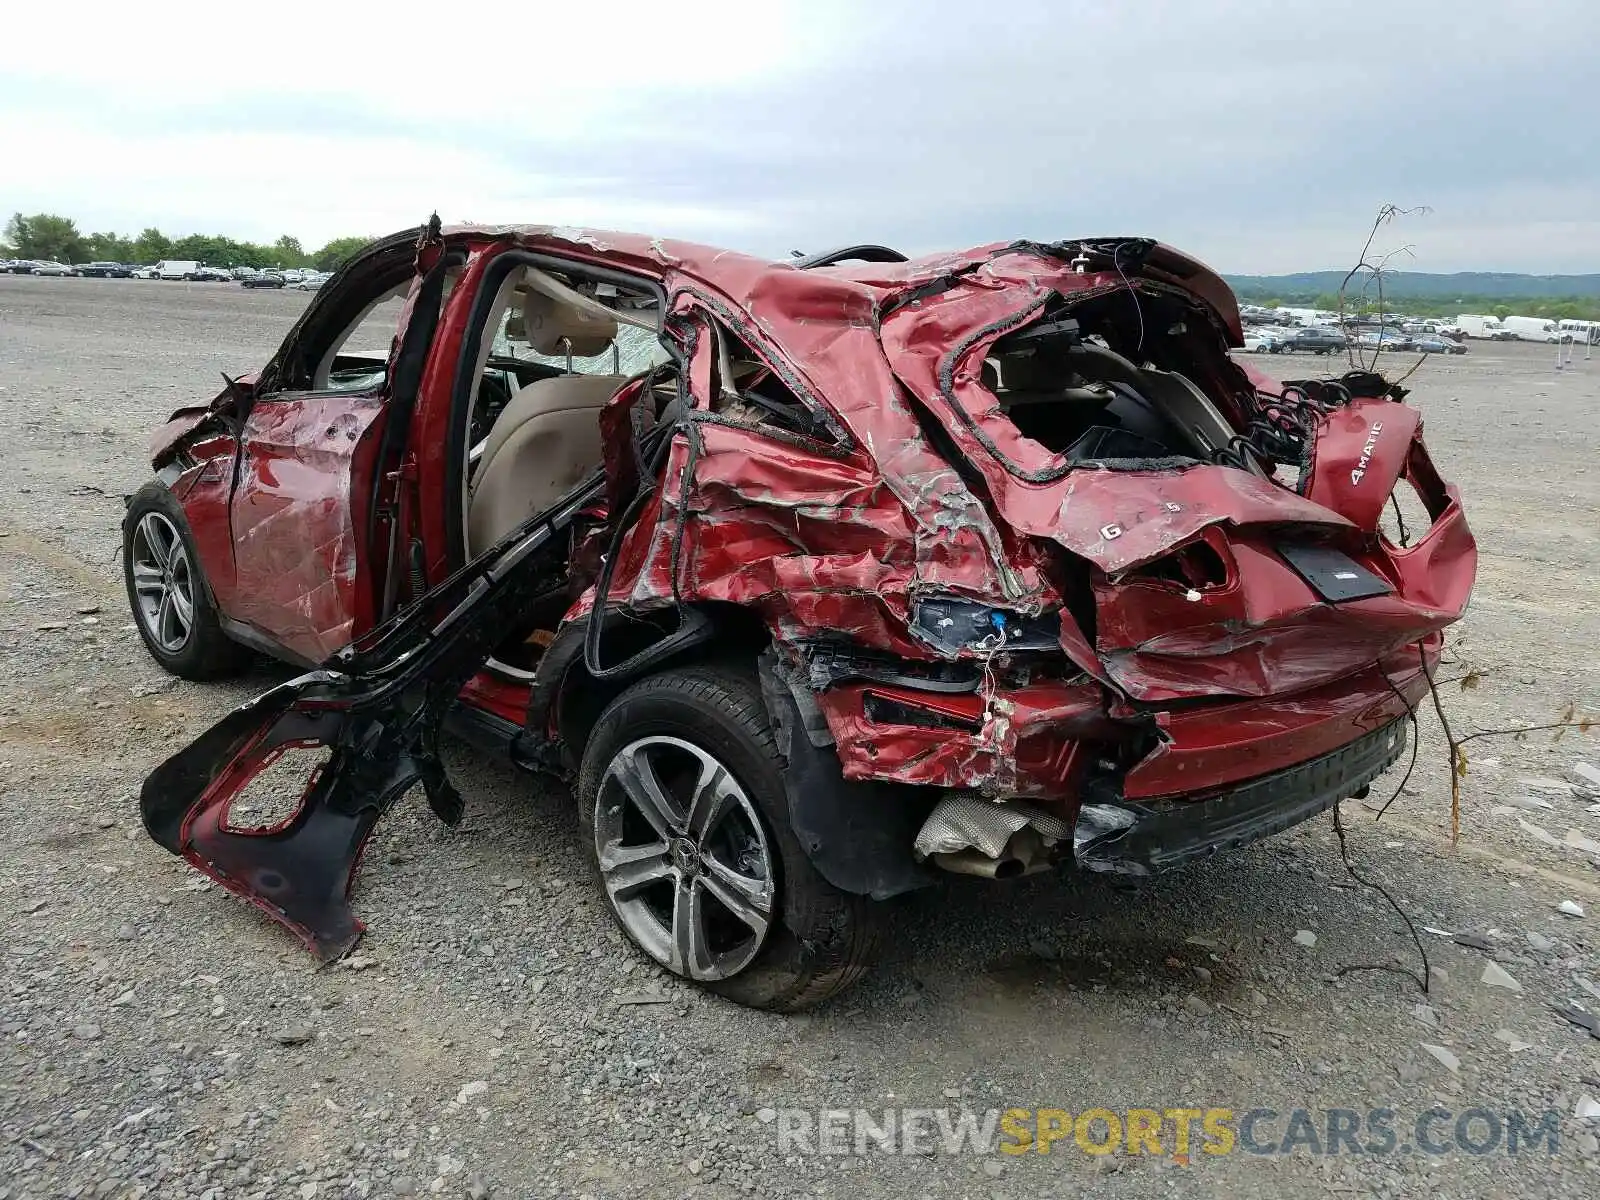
[(548, 436)]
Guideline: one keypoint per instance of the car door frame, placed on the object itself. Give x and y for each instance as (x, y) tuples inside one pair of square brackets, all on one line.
[(444, 406), (352, 503)]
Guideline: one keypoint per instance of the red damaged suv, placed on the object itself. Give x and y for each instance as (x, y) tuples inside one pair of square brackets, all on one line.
[(817, 578)]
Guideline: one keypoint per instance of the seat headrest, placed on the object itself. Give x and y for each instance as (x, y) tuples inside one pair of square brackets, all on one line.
[(553, 327)]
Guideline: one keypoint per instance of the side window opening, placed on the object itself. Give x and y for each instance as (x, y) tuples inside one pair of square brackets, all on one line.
[(617, 339), (358, 360), (633, 349), (553, 349), (746, 389)]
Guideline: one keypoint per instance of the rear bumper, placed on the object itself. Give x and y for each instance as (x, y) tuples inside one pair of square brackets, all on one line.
[(1037, 742), (1146, 839), (1213, 746)]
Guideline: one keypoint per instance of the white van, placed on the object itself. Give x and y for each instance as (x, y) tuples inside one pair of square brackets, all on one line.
[(183, 268), (1583, 332), (1532, 329), (1479, 327)]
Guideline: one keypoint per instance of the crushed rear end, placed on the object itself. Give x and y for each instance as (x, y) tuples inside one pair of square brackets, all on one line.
[(1199, 623)]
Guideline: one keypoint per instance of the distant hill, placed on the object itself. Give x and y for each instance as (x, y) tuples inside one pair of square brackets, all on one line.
[(1422, 285)]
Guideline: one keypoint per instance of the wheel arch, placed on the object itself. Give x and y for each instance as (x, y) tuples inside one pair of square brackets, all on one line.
[(856, 833), (210, 652), (566, 699)]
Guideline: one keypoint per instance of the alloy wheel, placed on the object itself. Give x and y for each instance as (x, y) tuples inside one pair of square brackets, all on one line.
[(685, 860), (163, 582)]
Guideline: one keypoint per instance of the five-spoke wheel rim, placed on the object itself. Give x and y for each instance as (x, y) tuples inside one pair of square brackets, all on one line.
[(162, 582), (684, 857)]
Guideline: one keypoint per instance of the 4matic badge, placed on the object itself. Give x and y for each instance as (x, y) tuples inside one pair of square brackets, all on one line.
[(1366, 453)]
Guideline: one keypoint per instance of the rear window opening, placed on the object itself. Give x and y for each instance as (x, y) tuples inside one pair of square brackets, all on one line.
[(1115, 380), (746, 389)]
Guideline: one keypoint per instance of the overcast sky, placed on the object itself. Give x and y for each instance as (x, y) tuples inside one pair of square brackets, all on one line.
[(1259, 136)]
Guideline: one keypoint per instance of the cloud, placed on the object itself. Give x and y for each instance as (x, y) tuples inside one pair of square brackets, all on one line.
[(1261, 138)]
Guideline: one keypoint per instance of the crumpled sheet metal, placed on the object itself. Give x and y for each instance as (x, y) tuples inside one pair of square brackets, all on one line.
[(1205, 747), (1029, 741), (816, 537), (164, 442), (294, 522), (1359, 453), (1113, 519), (1267, 631), (822, 326)]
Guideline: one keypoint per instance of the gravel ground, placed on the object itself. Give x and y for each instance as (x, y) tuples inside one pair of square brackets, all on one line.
[(493, 1036)]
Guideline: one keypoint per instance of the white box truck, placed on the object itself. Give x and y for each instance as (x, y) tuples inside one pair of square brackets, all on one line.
[(1479, 327), (1532, 329), (183, 268)]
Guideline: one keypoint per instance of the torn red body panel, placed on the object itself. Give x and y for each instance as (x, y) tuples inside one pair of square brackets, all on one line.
[(1008, 522), (295, 515), (1028, 741)]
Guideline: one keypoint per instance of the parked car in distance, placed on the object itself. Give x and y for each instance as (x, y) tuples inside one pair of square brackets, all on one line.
[(1432, 343), (146, 272), (1260, 341), (1383, 339), (262, 279), (182, 268), (52, 268), (1316, 339), (104, 270), (309, 283), (214, 275), (22, 266)]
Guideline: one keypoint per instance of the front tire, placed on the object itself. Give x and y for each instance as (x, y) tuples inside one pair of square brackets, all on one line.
[(684, 816), (168, 593)]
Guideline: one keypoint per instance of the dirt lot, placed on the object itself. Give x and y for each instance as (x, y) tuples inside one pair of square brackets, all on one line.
[(161, 1039)]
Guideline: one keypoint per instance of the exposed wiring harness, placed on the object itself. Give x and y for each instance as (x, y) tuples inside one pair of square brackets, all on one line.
[(1280, 429)]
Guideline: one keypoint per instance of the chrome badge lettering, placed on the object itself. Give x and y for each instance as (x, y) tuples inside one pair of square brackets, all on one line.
[(1366, 453)]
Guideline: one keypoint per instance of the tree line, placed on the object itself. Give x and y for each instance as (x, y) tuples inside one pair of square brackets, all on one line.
[(54, 238), (1551, 308)]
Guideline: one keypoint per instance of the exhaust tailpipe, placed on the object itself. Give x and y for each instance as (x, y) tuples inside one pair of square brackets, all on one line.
[(1025, 854)]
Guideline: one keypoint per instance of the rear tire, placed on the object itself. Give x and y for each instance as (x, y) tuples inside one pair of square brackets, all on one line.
[(670, 736), (168, 593)]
